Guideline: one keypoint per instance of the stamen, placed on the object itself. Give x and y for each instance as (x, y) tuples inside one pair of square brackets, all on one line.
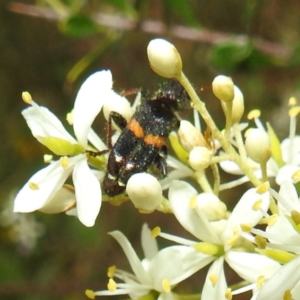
[(155, 232), (47, 158), (292, 101), (27, 98), (272, 219), (287, 295), (263, 188), (111, 271), (253, 114), (232, 240), (246, 227), (166, 285), (90, 294), (296, 176), (111, 286), (213, 278), (228, 294), (64, 162), (294, 111), (295, 217), (256, 206), (261, 242), (260, 281), (33, 186), (193, 202), (69, 117)]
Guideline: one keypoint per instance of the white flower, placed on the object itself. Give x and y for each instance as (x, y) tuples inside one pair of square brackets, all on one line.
[(220, 244), (285, 282), (158, 271), (164, 58), (44, 189), (285, 159), (282, 231)]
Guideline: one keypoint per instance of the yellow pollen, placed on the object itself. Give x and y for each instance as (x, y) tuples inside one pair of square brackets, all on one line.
[(294, 111), (296, 176), (111, 271), (287, 295), (193, 202), (27, 98), (295, 217), (155, 232), (271, 220), (213, 278), (69, 117), (64, 162), (47, 158), (166, 285), (232, 240), (246, 227), (261, 242), (34, 186), (111, 286), (256, 206), (90, 294), (260, 281), (253, 114), (228, 294), (263, 188), (292, 101)]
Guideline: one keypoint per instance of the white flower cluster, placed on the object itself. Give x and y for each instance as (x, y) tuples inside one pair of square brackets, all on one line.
[(266, 257)]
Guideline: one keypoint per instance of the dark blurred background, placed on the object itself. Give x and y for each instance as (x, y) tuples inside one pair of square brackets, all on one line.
[(50, 47)]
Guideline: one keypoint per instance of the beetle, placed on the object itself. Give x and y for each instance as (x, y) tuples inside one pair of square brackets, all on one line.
[(142, 141)]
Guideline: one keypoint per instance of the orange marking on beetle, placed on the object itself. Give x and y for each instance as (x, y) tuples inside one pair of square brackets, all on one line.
[(135, 127), (155, 140)]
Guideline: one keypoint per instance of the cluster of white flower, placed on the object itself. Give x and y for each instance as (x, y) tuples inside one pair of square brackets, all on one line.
[(265, 257)]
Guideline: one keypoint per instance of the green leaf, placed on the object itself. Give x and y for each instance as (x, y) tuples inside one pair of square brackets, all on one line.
[(182, 9), (124, 6), (78, 26), (228, 56)]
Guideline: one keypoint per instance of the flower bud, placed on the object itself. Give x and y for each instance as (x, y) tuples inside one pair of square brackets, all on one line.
[(237, 105), (144, 191), (223, 88), (164, 58), (200, 158), (117, 104), (213, 208), (258, 145), (190, 136)]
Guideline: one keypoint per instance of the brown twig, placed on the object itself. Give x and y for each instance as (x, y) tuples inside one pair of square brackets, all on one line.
[(159, 28)]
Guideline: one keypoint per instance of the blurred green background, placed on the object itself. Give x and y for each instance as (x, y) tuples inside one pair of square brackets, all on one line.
[(50, 47)]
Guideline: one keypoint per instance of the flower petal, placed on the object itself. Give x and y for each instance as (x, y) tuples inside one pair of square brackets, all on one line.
[(92, 94), (217, 290), (180, 195), (289, 193), (41, 187), (149, 243), (285, 173), (132, 257), (63, 200), (245, 213), (88, 193), (282, 232), (184, 262), (250, 266), (284, 279), (43, 123)]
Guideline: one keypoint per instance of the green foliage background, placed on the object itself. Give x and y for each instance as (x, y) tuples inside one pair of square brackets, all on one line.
[(49, 47)]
